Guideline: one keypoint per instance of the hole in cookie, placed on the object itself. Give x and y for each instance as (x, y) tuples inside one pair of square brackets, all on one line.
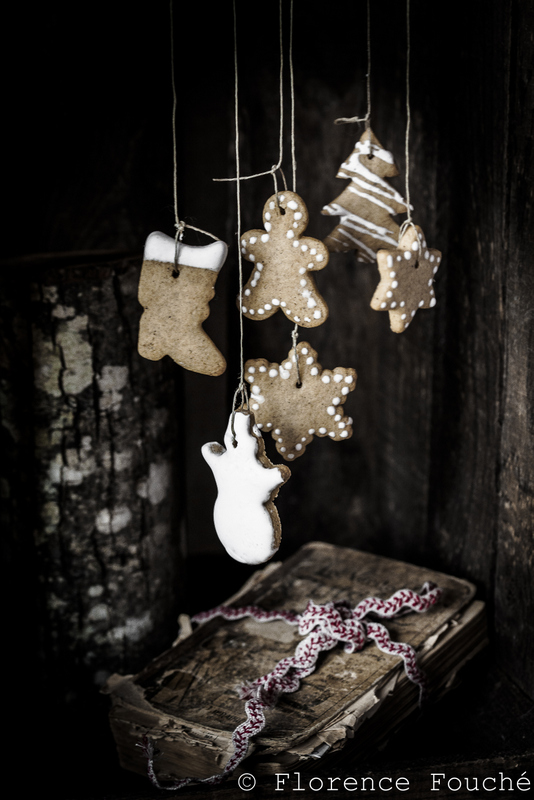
[(175, 272), (280, 208), (299, 384), (416, 265)]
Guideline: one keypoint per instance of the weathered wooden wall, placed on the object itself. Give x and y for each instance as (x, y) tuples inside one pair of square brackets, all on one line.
[(440, 469)]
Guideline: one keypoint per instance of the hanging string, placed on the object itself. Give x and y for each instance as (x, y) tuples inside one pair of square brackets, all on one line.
[(278, 165), (242, 387), (294, 337), (367, 118), (408, 221), (292, 80), (179, 224)]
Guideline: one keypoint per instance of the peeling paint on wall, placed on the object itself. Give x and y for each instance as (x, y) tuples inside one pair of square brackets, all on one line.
[(113, 520)]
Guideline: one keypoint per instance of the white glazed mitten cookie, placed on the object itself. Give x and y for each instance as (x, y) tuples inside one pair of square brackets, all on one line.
[(283, 260), (366, 206), (295, 413), (245, 517), (406, 279), (176, 303)]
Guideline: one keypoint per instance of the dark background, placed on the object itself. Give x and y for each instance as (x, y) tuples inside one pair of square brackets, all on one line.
[(440, 468)]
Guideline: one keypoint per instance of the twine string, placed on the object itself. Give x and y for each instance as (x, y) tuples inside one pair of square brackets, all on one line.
[(278, 165), (294, 337), (242, 387), (281, 94), (367, 118), (180, 225), (324, 627), (292, 79), (408, 222)]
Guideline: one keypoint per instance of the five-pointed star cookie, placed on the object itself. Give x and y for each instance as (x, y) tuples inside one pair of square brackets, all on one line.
[(283, 260), (406, 279), (245, 517), (295, 413)]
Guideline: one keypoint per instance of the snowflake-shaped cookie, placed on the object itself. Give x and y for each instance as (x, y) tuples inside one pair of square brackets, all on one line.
[(295, 413), (406, 279), (283, 260)]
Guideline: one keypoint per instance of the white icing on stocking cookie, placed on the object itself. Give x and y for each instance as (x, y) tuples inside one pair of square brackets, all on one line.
[(245, 517), (176, 302)]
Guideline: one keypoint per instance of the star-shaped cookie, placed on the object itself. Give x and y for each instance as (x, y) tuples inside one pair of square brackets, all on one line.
[(283, 260), (294, 413), (406, 279)]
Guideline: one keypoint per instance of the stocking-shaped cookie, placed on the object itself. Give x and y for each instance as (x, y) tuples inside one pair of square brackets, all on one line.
[(175, 299), (406, 279), (245, 517), (283, 260), (367, 204), (296, 405)]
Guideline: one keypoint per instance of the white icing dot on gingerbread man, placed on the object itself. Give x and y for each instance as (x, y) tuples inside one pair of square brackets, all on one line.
[(245, 517), (283, 260)]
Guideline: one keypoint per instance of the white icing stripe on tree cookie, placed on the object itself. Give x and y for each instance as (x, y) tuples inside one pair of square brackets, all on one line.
[(372, 198), (366, 147), (160, 247)]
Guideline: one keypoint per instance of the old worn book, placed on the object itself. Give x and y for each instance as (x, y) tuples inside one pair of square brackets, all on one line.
[(186, 699)]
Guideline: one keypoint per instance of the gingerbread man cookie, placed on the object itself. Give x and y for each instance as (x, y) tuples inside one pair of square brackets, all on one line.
[(293, 410), (175, 297), (283, 260), (245, 517), (406, 279)]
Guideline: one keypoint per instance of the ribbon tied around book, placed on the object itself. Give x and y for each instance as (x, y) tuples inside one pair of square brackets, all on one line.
[(324, 627)]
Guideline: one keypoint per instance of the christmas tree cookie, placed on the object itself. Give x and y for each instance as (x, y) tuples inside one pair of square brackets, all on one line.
[(366, 206)]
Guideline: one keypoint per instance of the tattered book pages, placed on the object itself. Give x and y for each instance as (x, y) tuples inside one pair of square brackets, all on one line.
[(186, 700)]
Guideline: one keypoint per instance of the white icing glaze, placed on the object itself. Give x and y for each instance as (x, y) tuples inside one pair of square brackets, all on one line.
[(160, 247), (246, 527), (375, 198)]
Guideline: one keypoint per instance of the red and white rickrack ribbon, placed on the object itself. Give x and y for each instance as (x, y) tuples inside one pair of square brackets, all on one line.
[(324, 627)]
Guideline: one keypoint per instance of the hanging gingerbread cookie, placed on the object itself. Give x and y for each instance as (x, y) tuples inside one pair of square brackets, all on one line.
[(406, 279), (245, 517), (366, 206), (283, 260), (175, 288), (297, 400)]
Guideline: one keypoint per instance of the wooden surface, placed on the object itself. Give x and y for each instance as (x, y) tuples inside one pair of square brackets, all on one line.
[(440, 469)]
